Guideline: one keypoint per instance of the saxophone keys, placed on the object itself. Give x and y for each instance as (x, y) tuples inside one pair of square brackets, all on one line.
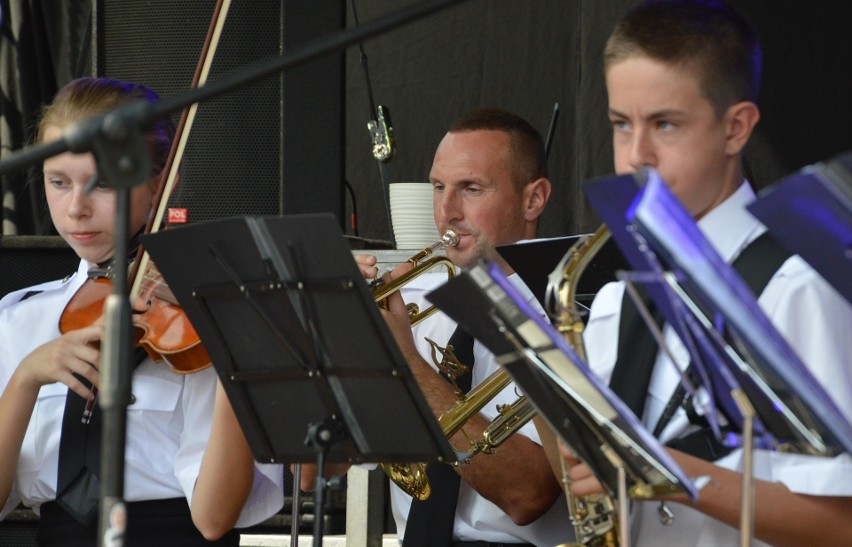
[(666, 515)]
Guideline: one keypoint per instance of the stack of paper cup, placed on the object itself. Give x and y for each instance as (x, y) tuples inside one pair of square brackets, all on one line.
[(411, 215)]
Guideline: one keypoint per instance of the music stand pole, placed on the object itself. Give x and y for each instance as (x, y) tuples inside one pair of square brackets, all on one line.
[(747, 480), (322, 436), (623, 507), (294, 510), (113, 395)]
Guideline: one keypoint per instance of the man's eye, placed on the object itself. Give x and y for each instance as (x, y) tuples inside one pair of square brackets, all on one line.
[(438, 187), (619, 125)]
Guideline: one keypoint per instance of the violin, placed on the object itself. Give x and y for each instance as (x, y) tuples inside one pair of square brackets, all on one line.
[(161, 326)]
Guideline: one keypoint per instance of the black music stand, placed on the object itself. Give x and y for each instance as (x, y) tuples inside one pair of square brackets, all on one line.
[(790, 402), (810, 213), (710, 306), (582, 410), (298, 342), (535, 259)]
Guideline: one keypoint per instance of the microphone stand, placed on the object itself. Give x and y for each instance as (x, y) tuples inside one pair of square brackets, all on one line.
[(116, 140), (123, 160)]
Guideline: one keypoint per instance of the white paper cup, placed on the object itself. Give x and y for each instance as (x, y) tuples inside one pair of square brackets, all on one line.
[(411, 215)]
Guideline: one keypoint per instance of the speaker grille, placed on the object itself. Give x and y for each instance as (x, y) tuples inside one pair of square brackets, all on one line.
[(29, 260), (232, 163)]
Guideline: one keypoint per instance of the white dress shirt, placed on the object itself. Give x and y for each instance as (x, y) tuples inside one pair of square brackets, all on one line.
[(477, 519), (168, 424), (813, 318)]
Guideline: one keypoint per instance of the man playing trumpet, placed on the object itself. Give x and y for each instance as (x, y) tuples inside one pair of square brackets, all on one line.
[(489, 177), (490, 183)]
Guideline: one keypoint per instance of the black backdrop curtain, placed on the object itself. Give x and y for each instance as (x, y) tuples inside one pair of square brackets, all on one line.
[(520, 55), (42, 42)]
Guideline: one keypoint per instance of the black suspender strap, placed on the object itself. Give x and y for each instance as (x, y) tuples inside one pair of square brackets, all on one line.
[(431, 521), (637, 351), (756, 264)]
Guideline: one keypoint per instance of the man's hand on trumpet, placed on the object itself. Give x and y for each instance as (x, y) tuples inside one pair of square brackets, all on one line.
[(439, 393), (393, 310), (367, 264)]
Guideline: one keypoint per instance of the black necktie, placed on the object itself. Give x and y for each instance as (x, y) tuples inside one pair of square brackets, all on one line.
[(430, 522), (78, 486)]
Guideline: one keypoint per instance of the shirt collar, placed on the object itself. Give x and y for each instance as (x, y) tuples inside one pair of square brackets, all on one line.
[(729, 226)]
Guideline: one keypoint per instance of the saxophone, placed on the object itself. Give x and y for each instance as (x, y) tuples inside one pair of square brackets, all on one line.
[(593, 517)]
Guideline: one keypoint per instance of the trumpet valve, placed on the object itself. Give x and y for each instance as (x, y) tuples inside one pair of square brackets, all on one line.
[(412, 309)]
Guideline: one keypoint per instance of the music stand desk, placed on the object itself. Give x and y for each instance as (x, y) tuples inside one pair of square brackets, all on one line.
[(305, 357), (792, 405), (576, 404), (810, 213)]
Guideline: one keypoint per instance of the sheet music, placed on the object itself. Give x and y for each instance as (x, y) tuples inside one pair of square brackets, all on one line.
[(791, 404)]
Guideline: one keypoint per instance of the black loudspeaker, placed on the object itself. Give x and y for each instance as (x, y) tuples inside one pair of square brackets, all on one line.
[(274, 147), (29, 260)]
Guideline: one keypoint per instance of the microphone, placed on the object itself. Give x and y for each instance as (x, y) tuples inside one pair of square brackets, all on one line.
[(381, 133)]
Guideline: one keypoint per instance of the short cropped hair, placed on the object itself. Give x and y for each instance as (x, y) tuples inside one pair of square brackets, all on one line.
[(704, 36), (528, 159)]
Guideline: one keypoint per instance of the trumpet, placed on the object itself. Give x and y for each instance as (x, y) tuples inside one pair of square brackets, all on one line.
[(422, 264), (411, 477)]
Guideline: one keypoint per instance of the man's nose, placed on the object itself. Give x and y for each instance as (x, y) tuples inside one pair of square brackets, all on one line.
[(447, 207), (642, 152)]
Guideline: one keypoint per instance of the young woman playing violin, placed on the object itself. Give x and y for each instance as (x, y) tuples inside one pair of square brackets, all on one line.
[(190, 477)]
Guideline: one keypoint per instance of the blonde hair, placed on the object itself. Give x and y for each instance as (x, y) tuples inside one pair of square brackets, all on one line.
[(85, 97)]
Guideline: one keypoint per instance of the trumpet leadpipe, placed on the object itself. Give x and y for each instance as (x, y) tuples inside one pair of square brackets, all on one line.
[(422, 264)]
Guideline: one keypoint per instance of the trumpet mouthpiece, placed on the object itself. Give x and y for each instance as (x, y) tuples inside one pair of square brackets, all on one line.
[(450, 238)]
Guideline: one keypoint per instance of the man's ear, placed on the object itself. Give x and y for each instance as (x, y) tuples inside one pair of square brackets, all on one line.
[(536, 195), (740, 120)]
